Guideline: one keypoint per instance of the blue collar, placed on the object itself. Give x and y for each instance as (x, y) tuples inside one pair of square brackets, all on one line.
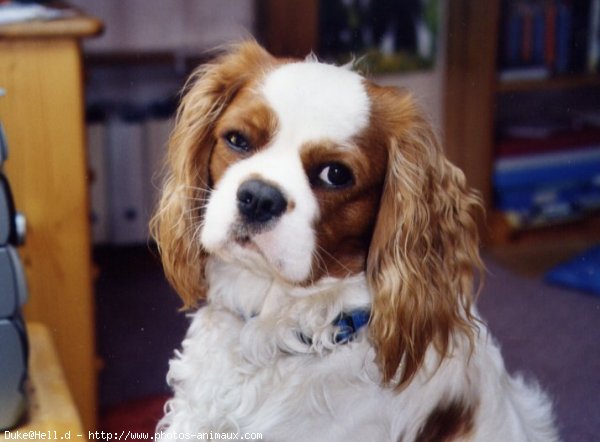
[(347, 324)]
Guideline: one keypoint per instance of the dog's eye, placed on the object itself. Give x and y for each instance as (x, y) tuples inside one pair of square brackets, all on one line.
[(237, 141), (335, 175)]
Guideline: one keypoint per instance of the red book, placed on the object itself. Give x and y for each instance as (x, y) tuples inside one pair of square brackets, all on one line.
[(563, 141), (550, 46)]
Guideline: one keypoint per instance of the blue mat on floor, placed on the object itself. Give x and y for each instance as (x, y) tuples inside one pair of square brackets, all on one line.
[(580, 273)]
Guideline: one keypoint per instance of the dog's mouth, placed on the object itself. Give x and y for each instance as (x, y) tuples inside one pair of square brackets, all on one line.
[(270, 247), (246, 242), (243, 240), (251, 249), (242, 231), (243, 236)]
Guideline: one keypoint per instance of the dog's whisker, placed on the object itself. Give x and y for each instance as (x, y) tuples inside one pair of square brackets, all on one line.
[(204, 188), (334, 259)]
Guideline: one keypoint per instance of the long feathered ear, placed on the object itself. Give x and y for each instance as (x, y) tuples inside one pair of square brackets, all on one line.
[(424, 249), (179, 216)]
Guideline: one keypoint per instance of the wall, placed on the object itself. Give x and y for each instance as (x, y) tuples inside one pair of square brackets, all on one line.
[(182, 26), (427, 86)]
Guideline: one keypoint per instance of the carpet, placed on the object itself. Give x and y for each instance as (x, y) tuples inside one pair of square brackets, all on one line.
[(136, 416)]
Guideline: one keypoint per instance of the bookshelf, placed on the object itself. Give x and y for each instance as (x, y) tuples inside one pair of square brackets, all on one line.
[(475, 103), (564, 82)]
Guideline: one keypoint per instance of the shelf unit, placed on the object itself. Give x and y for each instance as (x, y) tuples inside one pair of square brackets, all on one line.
[(553, 83), (472, 94)]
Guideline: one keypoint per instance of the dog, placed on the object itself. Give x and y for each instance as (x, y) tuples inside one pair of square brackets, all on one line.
[(327, 250)]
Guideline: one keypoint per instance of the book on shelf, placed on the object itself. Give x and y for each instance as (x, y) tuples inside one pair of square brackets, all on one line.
[(550, 215), (549, 203), (544, 168), (543, 38), (584, 194), (549, 179), (524, 73)]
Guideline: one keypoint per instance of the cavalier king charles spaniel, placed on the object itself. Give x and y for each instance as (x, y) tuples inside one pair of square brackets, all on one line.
[(327, 250)]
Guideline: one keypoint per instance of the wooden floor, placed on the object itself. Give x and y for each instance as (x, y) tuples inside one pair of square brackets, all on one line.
[(535, 259)]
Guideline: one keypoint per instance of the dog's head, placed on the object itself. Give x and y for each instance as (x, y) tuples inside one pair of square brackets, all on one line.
[(303, 170)]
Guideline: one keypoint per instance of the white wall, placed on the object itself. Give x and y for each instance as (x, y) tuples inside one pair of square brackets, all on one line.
[(181, 26), (427, 88)]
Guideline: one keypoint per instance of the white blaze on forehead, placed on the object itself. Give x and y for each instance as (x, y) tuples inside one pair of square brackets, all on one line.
[(314, 100)]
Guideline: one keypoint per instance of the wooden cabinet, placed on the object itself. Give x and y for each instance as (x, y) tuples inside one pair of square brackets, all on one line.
[(43, 117), (50, 408)]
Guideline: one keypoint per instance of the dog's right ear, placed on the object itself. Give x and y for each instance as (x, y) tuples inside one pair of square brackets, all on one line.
[(179, 216)]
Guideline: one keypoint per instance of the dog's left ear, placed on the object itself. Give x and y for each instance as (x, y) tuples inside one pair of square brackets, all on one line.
[(424, 248)]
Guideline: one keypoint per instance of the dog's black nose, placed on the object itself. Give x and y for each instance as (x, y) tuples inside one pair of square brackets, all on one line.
[(259, 202)]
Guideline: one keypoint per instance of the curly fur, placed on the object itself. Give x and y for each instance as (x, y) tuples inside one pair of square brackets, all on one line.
[(425, 245)]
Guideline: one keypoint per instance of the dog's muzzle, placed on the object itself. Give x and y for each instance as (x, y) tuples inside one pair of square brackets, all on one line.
[(259, 202)]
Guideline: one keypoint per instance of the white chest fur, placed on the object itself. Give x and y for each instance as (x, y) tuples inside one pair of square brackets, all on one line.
[(242, 368)]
